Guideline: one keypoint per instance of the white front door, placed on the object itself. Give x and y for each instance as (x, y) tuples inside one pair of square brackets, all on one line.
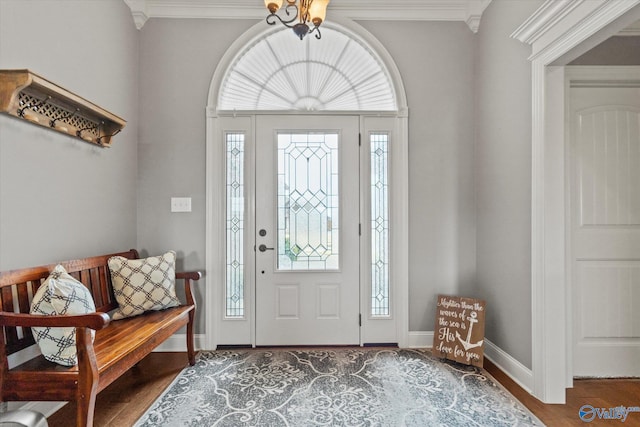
[(307, 230), (605, 230)]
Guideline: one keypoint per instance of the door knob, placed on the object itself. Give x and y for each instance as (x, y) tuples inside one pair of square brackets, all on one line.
[(263, 248)]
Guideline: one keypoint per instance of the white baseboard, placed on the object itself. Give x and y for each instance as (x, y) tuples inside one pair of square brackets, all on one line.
[(509, 365), (503, 360), (45, 408), (178, 342), (420, 339)]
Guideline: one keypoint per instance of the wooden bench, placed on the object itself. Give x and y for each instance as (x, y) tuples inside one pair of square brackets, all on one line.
[(118, 344)]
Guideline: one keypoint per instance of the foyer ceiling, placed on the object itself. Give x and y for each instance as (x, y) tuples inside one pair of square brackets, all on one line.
[(468, 11)]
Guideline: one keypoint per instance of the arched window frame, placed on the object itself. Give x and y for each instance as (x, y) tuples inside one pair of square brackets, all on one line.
[(280, 72)]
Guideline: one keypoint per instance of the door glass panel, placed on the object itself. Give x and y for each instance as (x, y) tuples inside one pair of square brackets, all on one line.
[(379, 224), (235, 225), (308, 207)]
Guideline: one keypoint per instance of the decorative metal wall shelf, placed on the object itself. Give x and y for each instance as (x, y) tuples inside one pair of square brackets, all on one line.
[(26, 95)]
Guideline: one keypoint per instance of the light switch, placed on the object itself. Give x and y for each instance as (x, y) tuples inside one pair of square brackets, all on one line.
[(181, 204)]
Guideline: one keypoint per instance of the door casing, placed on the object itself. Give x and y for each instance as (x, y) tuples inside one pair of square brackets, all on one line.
[(393, 328), (399, 177)]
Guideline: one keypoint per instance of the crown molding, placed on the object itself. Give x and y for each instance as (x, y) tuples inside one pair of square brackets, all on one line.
[(138, 12), (468, 11), (546, 17), (558, 23)]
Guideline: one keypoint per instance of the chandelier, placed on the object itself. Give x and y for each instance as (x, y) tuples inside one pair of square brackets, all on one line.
[(305, 12)]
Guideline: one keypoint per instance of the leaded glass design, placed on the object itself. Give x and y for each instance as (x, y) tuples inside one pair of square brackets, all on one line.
[(379, 224), (235, 225), (308, 201)]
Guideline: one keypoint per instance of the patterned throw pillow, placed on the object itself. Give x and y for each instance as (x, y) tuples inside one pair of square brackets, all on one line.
[(60, 294), (143, 284)]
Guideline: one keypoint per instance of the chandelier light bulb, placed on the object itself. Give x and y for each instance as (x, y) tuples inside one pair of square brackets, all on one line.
[(318, 11), (273, 5), (303, 16)]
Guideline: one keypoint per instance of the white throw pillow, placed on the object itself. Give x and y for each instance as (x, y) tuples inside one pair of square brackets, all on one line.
[(60, 294), (144, 284)]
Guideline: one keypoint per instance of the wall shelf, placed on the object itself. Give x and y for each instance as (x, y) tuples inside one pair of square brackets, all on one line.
[(30, 97)]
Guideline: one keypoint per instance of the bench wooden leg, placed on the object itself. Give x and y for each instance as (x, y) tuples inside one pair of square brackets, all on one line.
[(87, 378), (85, 409), (190, 339)]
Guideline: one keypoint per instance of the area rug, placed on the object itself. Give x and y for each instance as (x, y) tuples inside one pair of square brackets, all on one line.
[(333, 387)]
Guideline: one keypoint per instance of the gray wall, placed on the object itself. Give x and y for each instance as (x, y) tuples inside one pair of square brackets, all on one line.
[(178, 58), (177, 61), (503, 176), (61, 198), (435, 60), (469, 200), (617, 50)]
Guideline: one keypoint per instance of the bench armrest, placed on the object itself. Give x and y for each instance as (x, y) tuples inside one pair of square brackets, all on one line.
[(191, 275), (92, 320), (188, 276)]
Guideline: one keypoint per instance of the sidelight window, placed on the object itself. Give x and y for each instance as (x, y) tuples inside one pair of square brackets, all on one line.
[(379, 146), (235, 221)]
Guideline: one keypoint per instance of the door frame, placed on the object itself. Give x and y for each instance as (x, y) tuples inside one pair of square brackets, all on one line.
[(223, 122), (555, 31)]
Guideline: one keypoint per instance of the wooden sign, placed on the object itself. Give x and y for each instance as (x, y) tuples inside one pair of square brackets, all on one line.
[(459, 330)]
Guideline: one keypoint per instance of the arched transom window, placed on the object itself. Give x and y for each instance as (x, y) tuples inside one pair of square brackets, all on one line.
[(281, 72)]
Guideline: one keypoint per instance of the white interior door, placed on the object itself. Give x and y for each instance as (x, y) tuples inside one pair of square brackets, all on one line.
[(307, 230), (605, 230)]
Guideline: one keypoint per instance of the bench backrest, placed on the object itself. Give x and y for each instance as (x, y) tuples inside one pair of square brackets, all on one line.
[(17, 288)]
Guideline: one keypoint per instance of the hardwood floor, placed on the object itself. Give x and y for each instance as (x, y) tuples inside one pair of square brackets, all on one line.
[(124, 401), (599, 393)]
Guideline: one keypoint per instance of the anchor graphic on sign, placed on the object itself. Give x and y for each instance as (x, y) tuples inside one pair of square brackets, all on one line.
[(467, 344)]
